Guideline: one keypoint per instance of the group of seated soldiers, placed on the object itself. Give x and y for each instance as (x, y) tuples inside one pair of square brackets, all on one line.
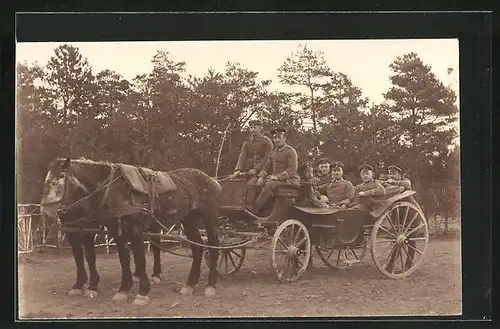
[(269, 166)]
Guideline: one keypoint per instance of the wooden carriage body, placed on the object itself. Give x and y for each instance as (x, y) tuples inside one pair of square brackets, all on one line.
[(343, 231)]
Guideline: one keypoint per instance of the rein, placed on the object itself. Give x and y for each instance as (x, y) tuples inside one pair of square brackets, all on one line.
[(107, 182)]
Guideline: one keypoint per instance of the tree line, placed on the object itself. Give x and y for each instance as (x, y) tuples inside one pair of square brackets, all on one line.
[(166, 119)]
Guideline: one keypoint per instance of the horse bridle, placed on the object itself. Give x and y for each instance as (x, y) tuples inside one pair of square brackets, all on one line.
[(64, 208)]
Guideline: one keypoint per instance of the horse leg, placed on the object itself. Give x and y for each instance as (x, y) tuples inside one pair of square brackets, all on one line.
[(75, 240), (88, 243), (127, 281), (155, 243), (137, 243), (213, 240), (193, 234)]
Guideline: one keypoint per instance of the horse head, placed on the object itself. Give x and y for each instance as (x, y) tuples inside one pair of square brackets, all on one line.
[(61, 188)]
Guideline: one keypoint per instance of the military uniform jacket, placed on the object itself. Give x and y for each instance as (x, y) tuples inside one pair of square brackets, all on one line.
[(323, 180), (393, 186), (373, 188), (254, 153), (282, 163), (338, 192)]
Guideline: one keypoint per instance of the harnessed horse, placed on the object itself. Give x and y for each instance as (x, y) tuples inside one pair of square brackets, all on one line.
[(97, 193)]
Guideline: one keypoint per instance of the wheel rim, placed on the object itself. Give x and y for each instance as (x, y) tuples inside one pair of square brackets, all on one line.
[(230, 260), (340, 258), (290, 250), (399, 240)]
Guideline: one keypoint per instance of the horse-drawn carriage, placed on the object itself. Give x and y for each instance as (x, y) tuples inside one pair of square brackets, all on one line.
[(136, 203), (395, 233)]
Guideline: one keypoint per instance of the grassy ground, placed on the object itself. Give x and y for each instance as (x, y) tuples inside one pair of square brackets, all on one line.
[(435, 288)]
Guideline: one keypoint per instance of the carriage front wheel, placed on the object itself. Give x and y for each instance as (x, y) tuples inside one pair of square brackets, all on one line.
[(290, 250), (230, 260), (399, 240)]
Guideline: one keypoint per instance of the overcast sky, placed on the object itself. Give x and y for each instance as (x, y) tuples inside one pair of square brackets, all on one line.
[(366, 62)]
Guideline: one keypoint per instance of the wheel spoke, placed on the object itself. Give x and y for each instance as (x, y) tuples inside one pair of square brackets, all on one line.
[(404, 219), (234, 252), (281, 251), (398, 222), (408, 258), (390, 256), (330, 254), (415, 215), (301, 242), (417, 239), (338, 257), (354, 253), (232, 260), (401, 259), (282, 243), (291, 234), (296, 236), (301, 264), (415, 229), (390, 222), (421, 253), (225, 261), (385, 240), (383, 229)]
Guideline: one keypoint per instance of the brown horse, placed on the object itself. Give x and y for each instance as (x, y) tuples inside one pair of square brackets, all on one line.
[(98, 193)]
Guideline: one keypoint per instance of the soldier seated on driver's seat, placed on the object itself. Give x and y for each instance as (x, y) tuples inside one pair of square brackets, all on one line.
[(253, 156), (280, 170)]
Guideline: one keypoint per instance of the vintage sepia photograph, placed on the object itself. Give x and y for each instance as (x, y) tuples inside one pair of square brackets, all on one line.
[(245, 178)]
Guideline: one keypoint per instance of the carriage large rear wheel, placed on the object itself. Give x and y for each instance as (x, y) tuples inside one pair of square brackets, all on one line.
[(399, 240), (290, 250)]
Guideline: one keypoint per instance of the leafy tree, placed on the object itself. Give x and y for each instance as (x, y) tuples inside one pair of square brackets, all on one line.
[(70, 82), (306, 68), (344, 128), (423, 108)]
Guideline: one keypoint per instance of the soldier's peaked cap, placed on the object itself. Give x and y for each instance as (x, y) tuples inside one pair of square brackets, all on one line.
[(278, 130), (337, 164), (364, 166), (395, 168), (323, 160), (255, 122)]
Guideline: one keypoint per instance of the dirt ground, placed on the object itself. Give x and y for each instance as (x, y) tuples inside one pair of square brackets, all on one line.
[(434, 289)]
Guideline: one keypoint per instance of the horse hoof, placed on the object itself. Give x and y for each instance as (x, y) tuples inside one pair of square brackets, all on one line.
[(209, 291), (155, 280), (90, 293), (120, 296), (75, 292), (187, 291), (140, 300), (136, 279)]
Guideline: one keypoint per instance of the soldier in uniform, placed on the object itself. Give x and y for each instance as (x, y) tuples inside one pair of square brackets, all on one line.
[(395, 182), (324, 174), (281, 169), (307, 194), (253, 156), (364, 192), (339, 191)]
